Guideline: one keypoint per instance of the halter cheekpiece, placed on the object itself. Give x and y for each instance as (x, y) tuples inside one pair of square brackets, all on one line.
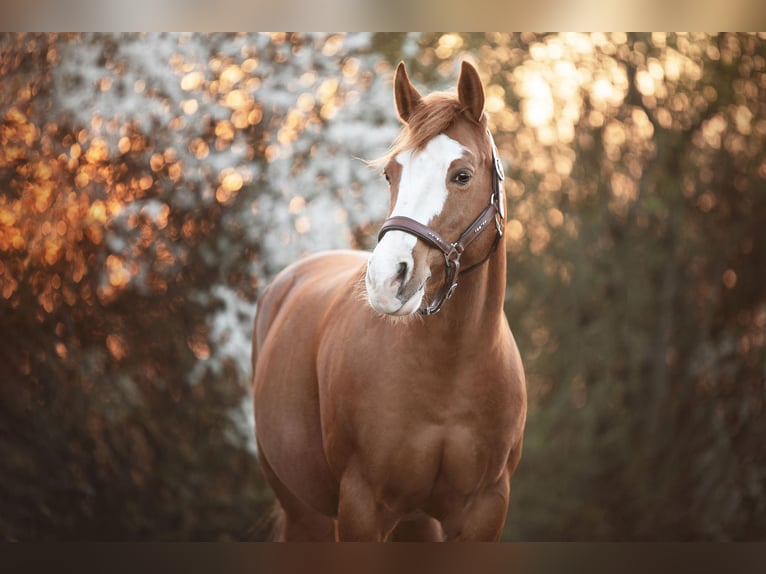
[(454, 251)]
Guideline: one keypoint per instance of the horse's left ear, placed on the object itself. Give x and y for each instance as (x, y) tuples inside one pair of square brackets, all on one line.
[(406, 96), (470, 91)]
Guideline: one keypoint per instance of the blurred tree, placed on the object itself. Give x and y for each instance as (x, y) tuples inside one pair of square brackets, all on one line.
[(638, 284), (108, 430), (149, 184)]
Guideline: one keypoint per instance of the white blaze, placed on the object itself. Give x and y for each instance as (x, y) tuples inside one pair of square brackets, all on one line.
[(422, 195)]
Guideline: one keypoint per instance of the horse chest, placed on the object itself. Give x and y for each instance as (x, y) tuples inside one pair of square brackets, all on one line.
[(418, 437), (431, 466)]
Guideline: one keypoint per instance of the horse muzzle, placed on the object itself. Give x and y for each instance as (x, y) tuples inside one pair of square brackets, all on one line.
[(395, 285)]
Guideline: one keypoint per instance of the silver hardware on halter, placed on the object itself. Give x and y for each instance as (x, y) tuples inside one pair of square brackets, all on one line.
[(496, 158), (501, 203), (500, 172), (453, 256), (498, 164)]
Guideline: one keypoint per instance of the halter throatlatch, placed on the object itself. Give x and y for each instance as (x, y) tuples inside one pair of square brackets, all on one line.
[(495, 211)]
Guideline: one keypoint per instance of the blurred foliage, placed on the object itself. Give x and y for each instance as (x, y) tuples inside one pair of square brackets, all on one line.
[(149, 185), (637, 285)]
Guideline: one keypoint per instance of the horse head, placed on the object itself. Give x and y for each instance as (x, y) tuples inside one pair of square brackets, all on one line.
[(444, 179)]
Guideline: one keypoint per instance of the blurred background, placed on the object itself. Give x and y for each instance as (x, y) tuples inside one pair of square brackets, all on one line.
[(152, 184)]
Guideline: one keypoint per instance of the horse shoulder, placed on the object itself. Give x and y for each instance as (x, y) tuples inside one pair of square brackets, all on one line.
[(486, 444)]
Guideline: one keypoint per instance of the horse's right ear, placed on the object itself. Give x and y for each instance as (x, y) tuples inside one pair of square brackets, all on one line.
[(406, 96)]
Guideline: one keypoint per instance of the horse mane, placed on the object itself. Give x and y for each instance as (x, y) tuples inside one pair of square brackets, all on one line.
[(437, 112)]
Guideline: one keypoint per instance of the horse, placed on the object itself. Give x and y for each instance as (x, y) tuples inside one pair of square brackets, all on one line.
[(389, 392)]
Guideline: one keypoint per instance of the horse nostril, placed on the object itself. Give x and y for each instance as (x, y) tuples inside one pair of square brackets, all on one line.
[(401, 272)]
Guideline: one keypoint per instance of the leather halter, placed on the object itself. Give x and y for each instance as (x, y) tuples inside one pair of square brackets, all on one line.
[(453, 251)]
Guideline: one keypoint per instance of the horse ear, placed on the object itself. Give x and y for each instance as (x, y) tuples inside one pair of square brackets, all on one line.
[(406, 96), (470, 91)]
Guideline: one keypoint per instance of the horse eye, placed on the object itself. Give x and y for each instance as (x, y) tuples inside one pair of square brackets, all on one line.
[(462, 177), (388, 179)]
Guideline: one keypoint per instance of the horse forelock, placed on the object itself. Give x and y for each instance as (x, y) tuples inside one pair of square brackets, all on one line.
[(437, 113)]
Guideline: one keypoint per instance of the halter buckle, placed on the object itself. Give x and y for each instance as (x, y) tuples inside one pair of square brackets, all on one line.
[(496, 157), (500, 200), (498, 165)]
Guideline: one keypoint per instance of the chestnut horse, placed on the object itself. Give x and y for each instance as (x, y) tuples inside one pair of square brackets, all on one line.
[(390, 404)]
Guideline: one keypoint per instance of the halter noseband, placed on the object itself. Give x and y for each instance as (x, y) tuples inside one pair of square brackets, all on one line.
[(453, 251)]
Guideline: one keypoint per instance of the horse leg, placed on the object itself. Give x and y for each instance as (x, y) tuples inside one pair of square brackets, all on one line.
[(360, 516), (295, 520), (417, 528), (483, 517)]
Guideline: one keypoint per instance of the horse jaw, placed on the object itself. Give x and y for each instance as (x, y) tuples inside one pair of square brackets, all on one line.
[(395, 281)]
